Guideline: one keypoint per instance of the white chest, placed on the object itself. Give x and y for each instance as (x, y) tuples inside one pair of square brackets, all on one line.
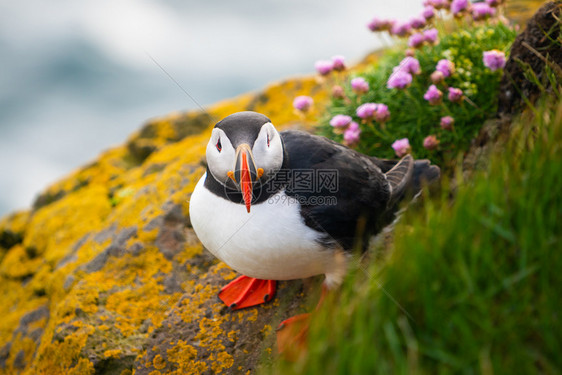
[(271, 242)]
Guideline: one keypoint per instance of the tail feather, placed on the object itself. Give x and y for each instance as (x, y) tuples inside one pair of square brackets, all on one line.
[(424, 172)]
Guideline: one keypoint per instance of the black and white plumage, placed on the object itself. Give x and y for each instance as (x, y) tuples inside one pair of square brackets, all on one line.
[(282, 232)]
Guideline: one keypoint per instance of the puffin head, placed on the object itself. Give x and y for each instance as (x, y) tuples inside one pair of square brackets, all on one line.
[(244, 149)]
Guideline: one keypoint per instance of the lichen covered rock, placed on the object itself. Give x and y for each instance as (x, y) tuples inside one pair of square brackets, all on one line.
[(105, 274)]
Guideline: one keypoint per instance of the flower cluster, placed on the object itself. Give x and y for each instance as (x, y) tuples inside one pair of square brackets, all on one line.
[(494, 59), (401, 147), (433, 95), (445, 67), (373, 111), (436, 82), (458, 7), (350, 129), (359, 85), (399, 80), (303, 103), (482, 11), (325, 67)]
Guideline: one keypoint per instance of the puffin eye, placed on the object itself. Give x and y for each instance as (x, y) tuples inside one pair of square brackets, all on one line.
[(268, 140), (219, 146)]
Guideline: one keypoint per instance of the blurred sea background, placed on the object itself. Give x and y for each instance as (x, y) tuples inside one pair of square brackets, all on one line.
[(77, 77)]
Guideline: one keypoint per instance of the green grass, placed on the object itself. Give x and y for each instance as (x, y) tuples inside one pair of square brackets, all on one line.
[(411, 116), (472, 283)]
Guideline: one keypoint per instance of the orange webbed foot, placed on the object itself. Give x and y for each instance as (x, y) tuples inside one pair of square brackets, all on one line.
[(292, 335), (247, 291)]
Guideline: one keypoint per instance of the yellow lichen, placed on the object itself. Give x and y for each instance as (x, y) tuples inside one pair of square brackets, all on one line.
[(15, 223), (21, 344), (232, 336), (223, 361), (60, 357), (158, 362), (189, 252), (266, 330), (181, 352), (83, 367), (252, 315), (112, 353), (18, 264)]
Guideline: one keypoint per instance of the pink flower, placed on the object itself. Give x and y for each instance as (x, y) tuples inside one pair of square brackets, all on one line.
[(447, 123), (399, 80), (431, 35), (458, 6), (303, 103), (378, 112), (337, 92), (494, 59), (338, 63), (428, 12), (437, 4), (446, 67), (401, 147), (416, 40), (359, 85), (378, 24), (400, 29), (437, 77), (481, 11), (455, 94), (352, 134), (410, 65), (417, 22), (324, 67), (494, 3), (433, 95), (340, 121), (382, 113), (366, 111), (430, 142)]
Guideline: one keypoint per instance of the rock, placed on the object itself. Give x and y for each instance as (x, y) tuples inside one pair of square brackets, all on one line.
[(105, 274), (533, 49), (540, 29)]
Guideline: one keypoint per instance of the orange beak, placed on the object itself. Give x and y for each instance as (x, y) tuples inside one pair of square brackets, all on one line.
[(246, 182), (244, 172)]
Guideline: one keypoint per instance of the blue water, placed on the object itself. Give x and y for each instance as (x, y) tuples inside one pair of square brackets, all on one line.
[(76, 77)]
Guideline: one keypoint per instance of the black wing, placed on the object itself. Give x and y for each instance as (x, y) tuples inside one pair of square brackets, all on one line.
[(352, 210)]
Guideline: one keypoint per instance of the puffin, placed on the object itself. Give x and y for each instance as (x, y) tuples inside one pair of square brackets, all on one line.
[(290, 205)]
